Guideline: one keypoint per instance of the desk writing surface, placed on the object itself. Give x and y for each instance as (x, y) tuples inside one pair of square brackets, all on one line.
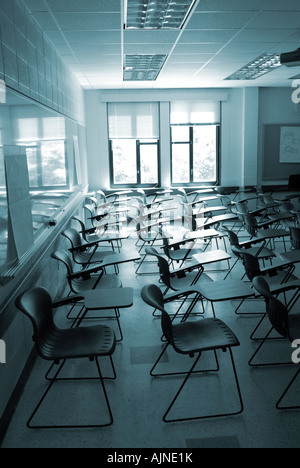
[(109, 298), (211, 256)]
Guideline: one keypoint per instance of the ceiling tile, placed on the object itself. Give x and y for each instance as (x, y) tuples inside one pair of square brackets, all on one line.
[(150, 37), (220, 20), (207, 35), (147, 48), (263, 35), (84, 5), (219, 37), (276, 20), (93, 37), (230, 5), (88, 21)]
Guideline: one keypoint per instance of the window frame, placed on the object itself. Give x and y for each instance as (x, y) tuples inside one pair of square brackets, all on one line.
[(191, 181), (139, 143)]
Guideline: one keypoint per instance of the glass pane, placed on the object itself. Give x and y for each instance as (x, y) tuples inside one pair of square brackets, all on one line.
[(53, 163), (205, 154), (180, 134), (32, 163), (180, 163), (149, 164), (124, 161), (3, 212)]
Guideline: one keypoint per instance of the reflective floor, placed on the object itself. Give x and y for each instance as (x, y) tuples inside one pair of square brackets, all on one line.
[(139, 401)]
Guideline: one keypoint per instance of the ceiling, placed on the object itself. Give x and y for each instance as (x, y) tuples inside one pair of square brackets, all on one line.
[(219, 38)]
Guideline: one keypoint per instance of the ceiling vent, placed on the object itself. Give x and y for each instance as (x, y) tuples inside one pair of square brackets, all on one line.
[(259, 67), (157, 14), (143, 67)]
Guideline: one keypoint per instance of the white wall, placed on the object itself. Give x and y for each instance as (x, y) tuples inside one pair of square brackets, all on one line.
[(275, 107), (244, 113)]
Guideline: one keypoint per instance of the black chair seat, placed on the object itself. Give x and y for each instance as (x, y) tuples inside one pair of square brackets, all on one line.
[(202, 335), (272, 233), (97, 257), (89, 341), (106, 282), (261, 253)]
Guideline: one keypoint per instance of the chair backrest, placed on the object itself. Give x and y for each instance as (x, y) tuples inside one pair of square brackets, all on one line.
[(251, 264), (92, 201), (63, 257), (183, 194), (90, 212), (152, 295), (233, 238), (226, 201), (277, 312), (250, 224), (242, 208), (295, 238), (142, 195), (286, 207), (163, 266), (82, 225), (83, 228), (73, 236), (36, 303), (166, 247), (267, 199), (102, 196)]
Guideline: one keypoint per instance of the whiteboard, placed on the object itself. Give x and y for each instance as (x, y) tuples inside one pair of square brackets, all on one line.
[(20, 229), (290, 145)]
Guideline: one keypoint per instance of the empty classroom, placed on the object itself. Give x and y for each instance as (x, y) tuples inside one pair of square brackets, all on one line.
[(149, 226)]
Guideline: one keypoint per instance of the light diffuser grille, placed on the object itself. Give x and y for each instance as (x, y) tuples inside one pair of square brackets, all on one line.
[(157, 14), (259, 67), (143, 67)]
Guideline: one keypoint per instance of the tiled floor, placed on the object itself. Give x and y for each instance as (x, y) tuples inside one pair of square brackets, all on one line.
[(139, 401)]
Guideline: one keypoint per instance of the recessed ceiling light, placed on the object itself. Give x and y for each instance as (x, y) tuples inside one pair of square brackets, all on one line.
[(157, 14), (140, 67), (259, 67)]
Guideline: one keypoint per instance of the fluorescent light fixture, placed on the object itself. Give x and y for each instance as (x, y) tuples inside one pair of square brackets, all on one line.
[(259, 67), (157, 14), (143, 67)]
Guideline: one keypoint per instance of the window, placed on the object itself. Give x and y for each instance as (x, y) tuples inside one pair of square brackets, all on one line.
[(47, 164), (45, 142), (195, 142), (134, 144)]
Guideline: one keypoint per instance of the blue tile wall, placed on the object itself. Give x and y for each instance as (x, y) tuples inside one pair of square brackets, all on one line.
[(30, 64)]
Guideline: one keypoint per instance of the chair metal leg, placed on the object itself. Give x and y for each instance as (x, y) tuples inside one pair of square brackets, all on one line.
[(265, 339), (66, 379), (285, 392), (209, 416), (80, 426), (169, 374)]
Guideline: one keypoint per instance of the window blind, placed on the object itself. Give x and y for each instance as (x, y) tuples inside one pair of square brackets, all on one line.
[(195, 112), (133, 120)]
